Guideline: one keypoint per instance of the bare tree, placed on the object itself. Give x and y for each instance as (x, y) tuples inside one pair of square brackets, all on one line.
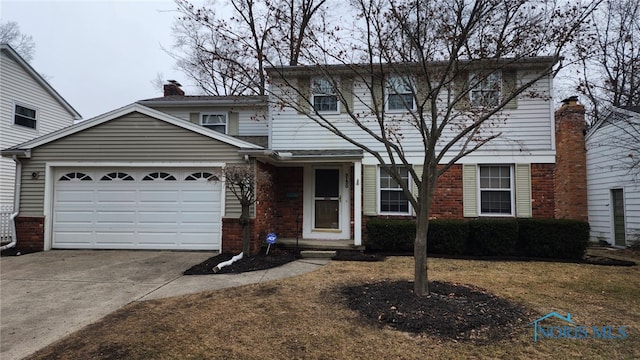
[(22, 43), (227, 55), (439, 53), (610, 64), (241, 180)]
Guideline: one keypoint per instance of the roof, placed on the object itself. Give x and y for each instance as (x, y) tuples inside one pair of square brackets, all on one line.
[(534, 61), (612, 114), (7, 49), (298, 156), (191, 100), (135, 107)]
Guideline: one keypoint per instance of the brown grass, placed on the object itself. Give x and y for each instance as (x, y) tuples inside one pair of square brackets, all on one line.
[(304, 318)]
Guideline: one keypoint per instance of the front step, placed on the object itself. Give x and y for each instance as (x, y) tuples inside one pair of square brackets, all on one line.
[(308, 244), (317, 254)]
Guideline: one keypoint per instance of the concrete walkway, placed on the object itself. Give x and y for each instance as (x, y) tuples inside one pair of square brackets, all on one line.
[(48, 295)]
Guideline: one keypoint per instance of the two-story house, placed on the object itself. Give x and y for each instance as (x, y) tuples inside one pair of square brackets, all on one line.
[(29, 108), (146, 176)]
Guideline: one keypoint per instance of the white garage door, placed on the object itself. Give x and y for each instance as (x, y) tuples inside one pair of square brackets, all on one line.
[(136, 209)]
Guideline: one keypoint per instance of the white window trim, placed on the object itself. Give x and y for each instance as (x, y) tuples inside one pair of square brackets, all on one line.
[(313, 95), (387, 93), (379, 198), (34, 108), (477, 87), (226, 120), (512, 189)]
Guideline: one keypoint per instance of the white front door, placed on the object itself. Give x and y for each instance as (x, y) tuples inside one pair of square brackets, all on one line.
[(326, 203)]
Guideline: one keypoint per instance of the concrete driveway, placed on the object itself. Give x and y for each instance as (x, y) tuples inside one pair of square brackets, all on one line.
[(46, 296)]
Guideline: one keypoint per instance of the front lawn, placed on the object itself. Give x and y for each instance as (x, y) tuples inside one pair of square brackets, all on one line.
[(308, 317)]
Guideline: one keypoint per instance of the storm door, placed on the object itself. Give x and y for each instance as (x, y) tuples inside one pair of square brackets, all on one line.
[(326, 199)]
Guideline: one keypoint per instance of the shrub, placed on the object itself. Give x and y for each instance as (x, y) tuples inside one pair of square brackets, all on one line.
[(551, 238), (390, 235), (493, 237), (447, 237)]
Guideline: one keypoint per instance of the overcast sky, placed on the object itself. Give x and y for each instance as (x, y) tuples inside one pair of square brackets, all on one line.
[(99, 55)]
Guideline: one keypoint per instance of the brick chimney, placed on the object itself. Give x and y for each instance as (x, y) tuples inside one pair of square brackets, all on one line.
[(571, 158), (173, 88)]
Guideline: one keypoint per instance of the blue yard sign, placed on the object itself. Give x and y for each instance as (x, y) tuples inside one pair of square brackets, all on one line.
[(271, 239)]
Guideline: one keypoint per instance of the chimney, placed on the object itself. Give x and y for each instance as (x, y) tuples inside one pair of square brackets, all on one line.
[(571, 161), (173, 88)]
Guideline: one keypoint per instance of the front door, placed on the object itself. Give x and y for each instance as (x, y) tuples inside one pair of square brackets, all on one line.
[(617, 197), (326, 203)]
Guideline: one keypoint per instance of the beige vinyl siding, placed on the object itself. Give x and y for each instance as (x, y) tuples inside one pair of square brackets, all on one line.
[(470, 190), (414, 187), (250, 121), (523, 190), (18, 87), (369, 190), (131, 138), (232, 123)]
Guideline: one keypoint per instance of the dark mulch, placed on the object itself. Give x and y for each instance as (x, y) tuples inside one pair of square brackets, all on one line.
[(260, 261), (351, 255), (15, 252), (451, 312)]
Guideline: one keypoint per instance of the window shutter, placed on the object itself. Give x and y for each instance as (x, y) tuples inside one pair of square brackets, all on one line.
[(304, 86), (470, 190), (414, 186), (461, 84), (233, 124), (346, 88), (378, 94), (422, 93), (508, 87), (369, 190), (523, 190), (194, 118)]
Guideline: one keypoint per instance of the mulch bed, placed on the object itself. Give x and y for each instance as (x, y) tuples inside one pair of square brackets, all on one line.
[(451, 312), (351, 255), (260, 261)]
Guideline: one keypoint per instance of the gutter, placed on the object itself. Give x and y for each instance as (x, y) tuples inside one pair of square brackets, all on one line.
[(16, 205)]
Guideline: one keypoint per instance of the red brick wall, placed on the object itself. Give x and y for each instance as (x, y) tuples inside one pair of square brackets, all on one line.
[(542, 190), (30, 233), (232, 236), (571, 172), (447, 200), (290, 180)]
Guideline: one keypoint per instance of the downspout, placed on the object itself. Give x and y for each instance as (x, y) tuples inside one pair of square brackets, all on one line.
[(16, 205)]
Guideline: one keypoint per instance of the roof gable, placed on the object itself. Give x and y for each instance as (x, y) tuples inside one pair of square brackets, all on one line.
[(12, 54), (613, 115), (118, 113)]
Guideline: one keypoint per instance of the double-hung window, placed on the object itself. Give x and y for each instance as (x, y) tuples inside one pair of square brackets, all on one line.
[(400, 92), (496, 190), (217, 122), (392, 198), (25, 116), (325, 99), (486, 89)]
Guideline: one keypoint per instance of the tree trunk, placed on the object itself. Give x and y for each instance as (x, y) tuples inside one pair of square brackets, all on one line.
[(421, 284), (246, 238)]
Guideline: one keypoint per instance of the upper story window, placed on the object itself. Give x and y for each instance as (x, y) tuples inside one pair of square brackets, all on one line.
[(487, 88), (400, 94), (324, 96), (25, 116), (217, 122), (392, 198), (496, 190)]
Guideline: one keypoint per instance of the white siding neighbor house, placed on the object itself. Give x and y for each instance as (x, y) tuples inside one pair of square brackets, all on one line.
[(613, 177), (29, 108)]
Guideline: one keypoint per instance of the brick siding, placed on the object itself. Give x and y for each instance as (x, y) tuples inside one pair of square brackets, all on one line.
[(30, 233)]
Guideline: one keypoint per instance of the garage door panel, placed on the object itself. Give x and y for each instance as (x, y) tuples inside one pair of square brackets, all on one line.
[(116, 196), (74, 197), (137, 214)]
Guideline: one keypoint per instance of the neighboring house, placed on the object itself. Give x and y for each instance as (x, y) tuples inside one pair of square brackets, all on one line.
[(29, 108), (613, 177), (145, 176)]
